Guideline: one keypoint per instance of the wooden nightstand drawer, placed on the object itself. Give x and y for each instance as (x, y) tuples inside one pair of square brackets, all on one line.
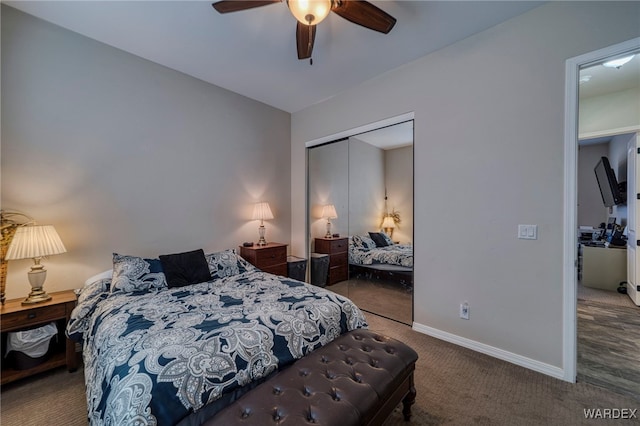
[(339, 246), (271, 256), (32, 317), (277, 270), (331, 245), (337, 274), (336, 260)]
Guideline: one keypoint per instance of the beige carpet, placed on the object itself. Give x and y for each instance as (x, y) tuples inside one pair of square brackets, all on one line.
[(455, 386)]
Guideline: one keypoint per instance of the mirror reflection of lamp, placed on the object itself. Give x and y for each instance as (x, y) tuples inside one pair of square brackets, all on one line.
[(388, 225), (329, 212), (262, 211), (35, 242)]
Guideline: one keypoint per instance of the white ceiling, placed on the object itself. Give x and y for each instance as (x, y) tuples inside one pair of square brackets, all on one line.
[(253, 52), (603, 80), (396, 136)]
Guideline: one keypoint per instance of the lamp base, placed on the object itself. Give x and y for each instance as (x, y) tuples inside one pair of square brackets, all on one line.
[(261, 232), (37, 275), (328, 234), (37, 295)]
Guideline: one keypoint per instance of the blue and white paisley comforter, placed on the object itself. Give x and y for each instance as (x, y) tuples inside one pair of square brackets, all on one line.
[(397, 254), (154, 358)]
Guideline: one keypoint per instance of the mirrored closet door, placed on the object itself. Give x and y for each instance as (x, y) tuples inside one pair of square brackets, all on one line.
[(360, 192)]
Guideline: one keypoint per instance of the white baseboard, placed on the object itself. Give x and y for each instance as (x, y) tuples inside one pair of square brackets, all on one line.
[(516, 359)]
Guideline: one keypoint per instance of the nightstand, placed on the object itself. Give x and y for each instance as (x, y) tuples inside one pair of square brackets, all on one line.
[(271, 258), (16, 317), (338, 251)]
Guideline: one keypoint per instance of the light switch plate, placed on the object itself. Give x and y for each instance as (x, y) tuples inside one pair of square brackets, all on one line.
[(528, 232)]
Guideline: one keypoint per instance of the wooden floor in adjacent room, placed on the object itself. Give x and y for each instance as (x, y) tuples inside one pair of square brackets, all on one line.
[(608, 341)]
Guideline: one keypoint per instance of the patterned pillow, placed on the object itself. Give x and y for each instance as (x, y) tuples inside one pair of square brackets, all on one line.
[(363, 242), (227, 263), (356, 241), (134, 274), (387, 238), (379, 240), (368, 243)]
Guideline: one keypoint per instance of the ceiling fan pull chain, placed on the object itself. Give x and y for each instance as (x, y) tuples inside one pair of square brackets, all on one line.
[(309, 43)]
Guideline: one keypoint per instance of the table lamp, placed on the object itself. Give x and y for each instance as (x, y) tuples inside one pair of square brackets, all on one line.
[(388, 224), (329, 212), (35, 242), (262, 211)]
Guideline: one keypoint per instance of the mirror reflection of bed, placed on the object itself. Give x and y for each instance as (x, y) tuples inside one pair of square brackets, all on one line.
[(368, 179)]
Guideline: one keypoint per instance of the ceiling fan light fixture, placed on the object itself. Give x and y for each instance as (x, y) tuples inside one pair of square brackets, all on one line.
[(309, 12)]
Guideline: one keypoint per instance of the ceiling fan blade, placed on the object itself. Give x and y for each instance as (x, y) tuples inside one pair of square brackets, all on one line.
[(365, 14), (226, 6), (305, 36)]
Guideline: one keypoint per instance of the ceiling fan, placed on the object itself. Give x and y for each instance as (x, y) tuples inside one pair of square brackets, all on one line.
[(310, 12)]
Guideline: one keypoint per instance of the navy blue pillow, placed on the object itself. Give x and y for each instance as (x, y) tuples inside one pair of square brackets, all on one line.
[(378, 239), (187, 268)]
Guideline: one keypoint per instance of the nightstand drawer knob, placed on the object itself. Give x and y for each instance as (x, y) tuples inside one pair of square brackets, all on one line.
[(31, 315)]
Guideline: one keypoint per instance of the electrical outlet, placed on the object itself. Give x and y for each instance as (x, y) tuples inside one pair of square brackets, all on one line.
[(464, 310)]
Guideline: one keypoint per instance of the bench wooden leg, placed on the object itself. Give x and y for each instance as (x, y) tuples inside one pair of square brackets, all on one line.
[(409, 400)]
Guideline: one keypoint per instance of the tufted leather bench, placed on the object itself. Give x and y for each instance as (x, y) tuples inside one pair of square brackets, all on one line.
[(357, 379)]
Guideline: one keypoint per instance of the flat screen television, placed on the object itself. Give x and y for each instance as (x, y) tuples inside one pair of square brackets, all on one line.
[(609, 187)]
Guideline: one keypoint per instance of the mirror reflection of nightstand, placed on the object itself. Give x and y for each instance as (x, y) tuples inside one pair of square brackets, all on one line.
[(337, 249)]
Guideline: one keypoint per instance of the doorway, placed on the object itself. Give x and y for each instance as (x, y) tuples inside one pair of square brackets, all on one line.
[(572, 135)]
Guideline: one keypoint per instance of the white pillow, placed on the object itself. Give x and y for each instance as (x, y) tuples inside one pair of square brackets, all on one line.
[(100, 276)]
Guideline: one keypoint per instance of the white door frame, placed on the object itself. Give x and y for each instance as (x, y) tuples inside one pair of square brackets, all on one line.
[(570, 225)]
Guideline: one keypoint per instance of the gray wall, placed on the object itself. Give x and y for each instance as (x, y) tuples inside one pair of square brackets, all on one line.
[(329, 184), (121, 154), (489, 128), (617, 111), (399, 182), (366, 187)]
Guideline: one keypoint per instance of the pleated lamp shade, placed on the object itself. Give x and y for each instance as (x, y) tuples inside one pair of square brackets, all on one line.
[(35, 242), (31, 242), (262, 211), (329, 212)]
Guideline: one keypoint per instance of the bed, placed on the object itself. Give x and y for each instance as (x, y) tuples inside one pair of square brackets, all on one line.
[(159, 354), (364, 250), (376, 255)]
